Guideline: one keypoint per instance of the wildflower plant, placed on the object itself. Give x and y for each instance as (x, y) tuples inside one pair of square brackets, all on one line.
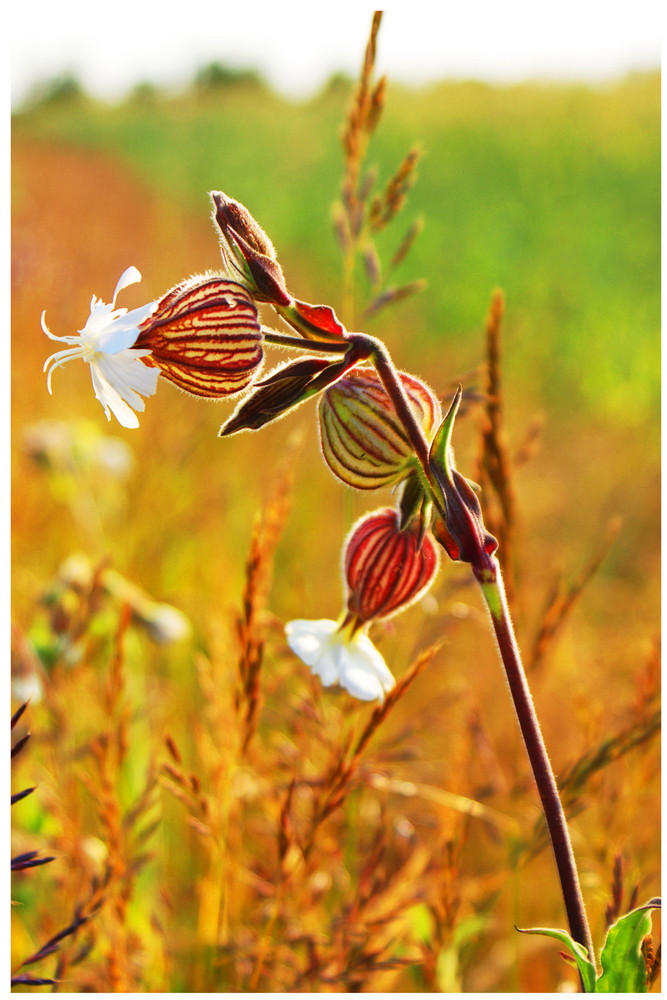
[(378, 427)]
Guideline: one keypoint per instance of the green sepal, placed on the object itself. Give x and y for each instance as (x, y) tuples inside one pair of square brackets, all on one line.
[(414, 505), (440, 453)]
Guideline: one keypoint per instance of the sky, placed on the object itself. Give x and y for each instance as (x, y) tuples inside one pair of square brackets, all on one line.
[(110, 47)]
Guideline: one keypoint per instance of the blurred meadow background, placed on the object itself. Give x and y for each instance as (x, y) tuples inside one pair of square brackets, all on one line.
[(212, 826)]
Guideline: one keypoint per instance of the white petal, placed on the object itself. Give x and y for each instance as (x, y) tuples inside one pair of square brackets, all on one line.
[(110, 400), (363, 672), (306, 638), (101, 316), (124, 330), (327, 665), (375, 661), (129, 277), (129, 376), (362, 684)]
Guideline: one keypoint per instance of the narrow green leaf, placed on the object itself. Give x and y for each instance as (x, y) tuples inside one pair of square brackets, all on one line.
[(440, 447), (623, 966), (579, 953)]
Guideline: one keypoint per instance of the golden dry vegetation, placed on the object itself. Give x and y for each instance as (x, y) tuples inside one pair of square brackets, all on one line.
[(220, 822)]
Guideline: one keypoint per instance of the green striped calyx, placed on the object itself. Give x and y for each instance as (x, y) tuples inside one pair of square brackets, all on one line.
[(363, 440)]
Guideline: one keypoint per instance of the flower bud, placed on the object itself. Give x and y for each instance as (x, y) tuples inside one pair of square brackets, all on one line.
[(386, 568), (461, 532), (248, 252), (363, 441), (204, 336)]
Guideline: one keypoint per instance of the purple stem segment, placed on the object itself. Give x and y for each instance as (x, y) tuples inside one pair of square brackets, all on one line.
[(490, 579), (494, 595)]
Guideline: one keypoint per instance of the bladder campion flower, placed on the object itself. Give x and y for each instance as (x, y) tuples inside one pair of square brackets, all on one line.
[(203, 335), (106, 344), (386, 569)]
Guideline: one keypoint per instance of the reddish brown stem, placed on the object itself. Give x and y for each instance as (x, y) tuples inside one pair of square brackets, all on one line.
[(494, 595)]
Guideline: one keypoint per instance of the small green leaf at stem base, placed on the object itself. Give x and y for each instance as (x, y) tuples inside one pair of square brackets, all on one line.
[(623, 966), (585, 967)]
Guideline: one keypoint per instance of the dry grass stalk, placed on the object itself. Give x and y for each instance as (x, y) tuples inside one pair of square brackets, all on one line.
[(652, 959), (363, 117), (125, 831), (576, 777), (83, 914), (362, 213), (648, 682), (337, 783), (386, 206), (616, 908), (494, 463), (407, 242), (390, 296), (563, 599), (251, 624)]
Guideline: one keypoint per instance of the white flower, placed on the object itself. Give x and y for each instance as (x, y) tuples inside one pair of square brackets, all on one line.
[(105, 343), (337, 655)]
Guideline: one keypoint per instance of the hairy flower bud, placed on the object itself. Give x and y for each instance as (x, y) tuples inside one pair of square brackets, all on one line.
[(461, 532), (363, 441), (386, 568), (204, 336), (248, 252)]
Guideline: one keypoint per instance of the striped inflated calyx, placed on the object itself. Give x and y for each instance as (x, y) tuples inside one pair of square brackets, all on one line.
[(363, 441), (387, 568), (205, 336)]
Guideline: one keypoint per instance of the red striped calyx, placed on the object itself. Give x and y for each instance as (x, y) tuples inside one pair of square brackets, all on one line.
[(363, 441), (205, 336), (387, 568)]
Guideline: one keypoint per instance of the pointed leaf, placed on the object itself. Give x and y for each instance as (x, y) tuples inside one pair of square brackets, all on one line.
[(579, 953), (441, 444), (304, 367)]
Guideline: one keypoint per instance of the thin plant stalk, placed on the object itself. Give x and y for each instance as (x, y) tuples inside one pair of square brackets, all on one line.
[(493, 590), (491, 583)]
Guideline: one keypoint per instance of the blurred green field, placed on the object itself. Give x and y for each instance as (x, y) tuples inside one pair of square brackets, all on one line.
[(550, 193)]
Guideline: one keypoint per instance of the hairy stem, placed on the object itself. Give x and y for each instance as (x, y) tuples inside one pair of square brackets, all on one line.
[(496, 601), (280, 339), (491, 583)]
